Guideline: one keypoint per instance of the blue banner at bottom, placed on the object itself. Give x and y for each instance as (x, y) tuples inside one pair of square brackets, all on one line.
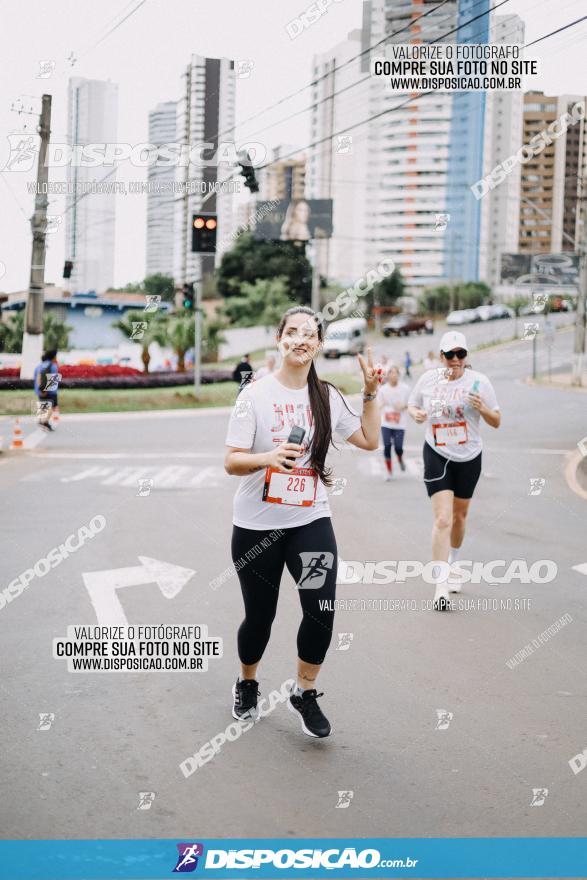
[(377, 858)]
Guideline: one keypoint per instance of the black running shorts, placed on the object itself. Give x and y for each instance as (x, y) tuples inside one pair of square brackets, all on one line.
[(460, 477)]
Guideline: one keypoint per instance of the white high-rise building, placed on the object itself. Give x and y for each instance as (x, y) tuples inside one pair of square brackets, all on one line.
[(409, 155), (89, 220), (160, 198), (338, 169), (205, 115), (500, 206)]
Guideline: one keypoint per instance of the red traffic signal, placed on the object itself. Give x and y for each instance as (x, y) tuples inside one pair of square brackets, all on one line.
[(204, 233)]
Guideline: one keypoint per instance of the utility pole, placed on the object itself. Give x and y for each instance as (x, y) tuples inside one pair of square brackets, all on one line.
[(32, 344), (579, 356)]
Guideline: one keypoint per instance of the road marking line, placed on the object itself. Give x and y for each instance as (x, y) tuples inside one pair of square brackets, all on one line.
[(143, 456), (35, 439)]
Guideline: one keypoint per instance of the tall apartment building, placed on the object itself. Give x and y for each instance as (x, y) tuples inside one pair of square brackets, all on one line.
[(284, 178), (205, 114), (500, 206), (161, 203), (92, 108), (465, 158), (337, 169), (549, 181)]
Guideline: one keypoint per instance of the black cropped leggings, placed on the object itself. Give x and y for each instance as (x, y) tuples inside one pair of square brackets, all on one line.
[(309, 551)]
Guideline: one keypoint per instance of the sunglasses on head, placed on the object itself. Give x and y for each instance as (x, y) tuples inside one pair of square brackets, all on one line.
[(460, 353)]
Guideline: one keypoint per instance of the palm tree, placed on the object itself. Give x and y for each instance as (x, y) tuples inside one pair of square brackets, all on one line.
[(55, 333), (133, 327), (180, 331)]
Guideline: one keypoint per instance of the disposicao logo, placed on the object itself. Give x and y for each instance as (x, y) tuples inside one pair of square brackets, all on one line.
[(187, 859)]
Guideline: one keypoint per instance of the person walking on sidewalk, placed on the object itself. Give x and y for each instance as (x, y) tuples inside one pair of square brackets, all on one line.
[(46, 382)]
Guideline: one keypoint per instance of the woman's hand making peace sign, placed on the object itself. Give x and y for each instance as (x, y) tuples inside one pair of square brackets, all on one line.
[(372, 376)]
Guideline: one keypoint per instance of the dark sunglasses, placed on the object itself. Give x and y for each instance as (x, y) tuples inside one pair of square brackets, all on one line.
[(460, 353)]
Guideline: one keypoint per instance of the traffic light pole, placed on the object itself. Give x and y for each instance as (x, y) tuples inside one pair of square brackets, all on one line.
[(197, 338), (32, 343), (579, 356)]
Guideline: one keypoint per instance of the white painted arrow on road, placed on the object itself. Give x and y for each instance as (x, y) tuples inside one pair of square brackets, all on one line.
[(102, 586)]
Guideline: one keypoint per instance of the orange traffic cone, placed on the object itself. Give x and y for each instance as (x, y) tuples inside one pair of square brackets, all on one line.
[(17, 437)]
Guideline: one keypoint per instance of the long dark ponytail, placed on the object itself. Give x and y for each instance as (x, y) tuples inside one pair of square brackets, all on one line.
[(319, 393)]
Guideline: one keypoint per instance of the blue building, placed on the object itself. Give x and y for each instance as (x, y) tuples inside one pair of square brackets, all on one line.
[(465, 163), (90, 316)]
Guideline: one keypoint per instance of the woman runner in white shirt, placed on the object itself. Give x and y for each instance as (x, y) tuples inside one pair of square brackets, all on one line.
[(451, 401), (281, 511)]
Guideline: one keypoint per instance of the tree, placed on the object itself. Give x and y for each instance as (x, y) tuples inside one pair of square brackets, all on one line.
[(55, 333), (435, 300), (179, 333), (160, 285), (212, 338), (262, 303), (133, 327), (471, 294), (385, 292), (466, 295), (131, 287), (250, 260)]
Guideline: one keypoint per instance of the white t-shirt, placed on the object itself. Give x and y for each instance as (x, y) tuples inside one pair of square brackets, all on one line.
[(390, 396), (452, 427), (263, 416)]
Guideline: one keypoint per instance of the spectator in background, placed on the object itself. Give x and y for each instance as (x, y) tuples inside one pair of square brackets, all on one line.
[(431, 361), (269, 367), (46, 381), (407, 365), (243, 371)]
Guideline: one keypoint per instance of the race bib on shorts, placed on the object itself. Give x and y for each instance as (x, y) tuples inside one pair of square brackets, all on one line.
[(449, 433), (297, 488)]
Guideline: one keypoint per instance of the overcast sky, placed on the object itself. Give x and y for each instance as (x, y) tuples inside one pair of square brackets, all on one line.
[(145, 57)]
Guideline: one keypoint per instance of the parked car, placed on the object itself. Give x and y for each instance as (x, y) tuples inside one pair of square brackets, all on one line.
[(463, 316), (402, 325), (493, 312), (499, 311), (346, 336), (485, 313)]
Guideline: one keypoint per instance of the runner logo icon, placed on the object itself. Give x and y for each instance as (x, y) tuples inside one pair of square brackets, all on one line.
[(314, 568), (187, 859)]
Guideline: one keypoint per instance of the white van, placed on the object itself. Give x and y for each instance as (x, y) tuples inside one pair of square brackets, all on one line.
[(347, 336)]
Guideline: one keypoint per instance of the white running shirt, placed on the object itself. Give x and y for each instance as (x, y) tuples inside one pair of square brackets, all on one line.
[(452, 427), (390, 396), (263, 416)]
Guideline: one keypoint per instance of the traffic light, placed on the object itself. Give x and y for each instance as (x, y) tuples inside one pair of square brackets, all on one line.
[(247, 171), (188, 296), (67, 269), (204, 233)]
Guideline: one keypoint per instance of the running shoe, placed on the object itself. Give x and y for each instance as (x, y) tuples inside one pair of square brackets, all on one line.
[(313, 720), (245, 695), (441, 598), (47, 427), (401, 464)]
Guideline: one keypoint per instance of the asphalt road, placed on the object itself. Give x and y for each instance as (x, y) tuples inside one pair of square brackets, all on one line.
[(116, 735)]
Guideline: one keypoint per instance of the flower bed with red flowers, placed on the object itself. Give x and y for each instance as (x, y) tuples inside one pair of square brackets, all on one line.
[(112, 376), (82, 371)]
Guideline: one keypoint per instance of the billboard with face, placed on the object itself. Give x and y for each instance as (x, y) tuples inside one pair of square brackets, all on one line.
[(295, 220)]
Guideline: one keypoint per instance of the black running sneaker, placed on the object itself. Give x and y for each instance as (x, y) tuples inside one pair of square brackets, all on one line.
[(245, 695), (314, 721)]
